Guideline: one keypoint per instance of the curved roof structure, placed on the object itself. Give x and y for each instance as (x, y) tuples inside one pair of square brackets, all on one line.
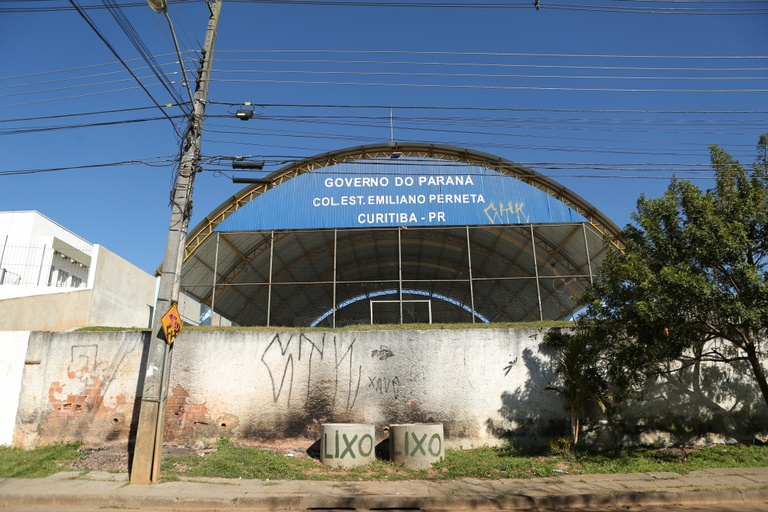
[(401, 232)]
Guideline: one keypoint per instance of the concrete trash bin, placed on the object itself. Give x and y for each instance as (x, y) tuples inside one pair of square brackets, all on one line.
[(346, 445), (416, 445)]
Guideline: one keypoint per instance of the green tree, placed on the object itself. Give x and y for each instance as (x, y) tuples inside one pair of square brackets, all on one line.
[(692, 282), (581, 383)]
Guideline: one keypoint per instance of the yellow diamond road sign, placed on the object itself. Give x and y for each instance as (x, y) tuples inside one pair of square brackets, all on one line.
[(172, 325)]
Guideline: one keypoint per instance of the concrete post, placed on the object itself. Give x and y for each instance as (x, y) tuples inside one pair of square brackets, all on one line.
[(149, 435)]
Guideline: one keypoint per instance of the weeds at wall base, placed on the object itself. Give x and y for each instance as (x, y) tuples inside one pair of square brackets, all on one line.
[(231, 461)]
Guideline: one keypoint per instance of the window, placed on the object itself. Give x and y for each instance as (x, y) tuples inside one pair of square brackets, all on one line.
[(62, 278)]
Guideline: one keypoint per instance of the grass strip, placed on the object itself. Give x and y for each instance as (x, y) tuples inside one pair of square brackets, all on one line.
[(228, 460)]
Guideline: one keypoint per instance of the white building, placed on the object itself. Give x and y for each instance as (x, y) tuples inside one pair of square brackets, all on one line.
[(51, 279), (54, 280)]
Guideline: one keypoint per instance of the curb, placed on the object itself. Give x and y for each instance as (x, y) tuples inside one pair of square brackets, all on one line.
[(415, 503)]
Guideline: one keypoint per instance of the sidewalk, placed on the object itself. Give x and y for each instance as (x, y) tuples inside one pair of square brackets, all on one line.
[(70, 490)]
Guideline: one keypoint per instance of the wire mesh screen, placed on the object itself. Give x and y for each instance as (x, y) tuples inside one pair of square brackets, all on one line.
[(504, 273), (406, 311)]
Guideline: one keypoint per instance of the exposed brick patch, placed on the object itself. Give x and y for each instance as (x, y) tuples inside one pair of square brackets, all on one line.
[(185, 420), (77, 410)]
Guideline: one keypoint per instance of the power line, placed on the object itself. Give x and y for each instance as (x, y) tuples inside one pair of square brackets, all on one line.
[(50, 128), (485, 64), (492, 87), (734, 8), (489, 75), (70, 87), (152, 163), (69, 79), (78, 68), (77, 96), (135, 39), (728, 8), (495, 109), (507, 54), (87, 19), (78, 114)]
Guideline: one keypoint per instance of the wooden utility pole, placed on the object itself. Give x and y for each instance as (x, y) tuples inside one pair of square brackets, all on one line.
[(148, 450)]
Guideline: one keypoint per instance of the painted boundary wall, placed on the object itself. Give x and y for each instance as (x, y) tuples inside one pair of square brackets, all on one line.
[(482, 384), (12, 355)]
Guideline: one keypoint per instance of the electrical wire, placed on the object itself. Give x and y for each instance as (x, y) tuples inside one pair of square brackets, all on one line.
[(525, 131), (137, 42), (74, 97), (90, 23), (668, 7), (480, 87), (51, 128), (494, 109), (59, 72), (727, 9), (422, 63), (70, 87), (78, 114), (150, 162), (504, 54), (488, 75)]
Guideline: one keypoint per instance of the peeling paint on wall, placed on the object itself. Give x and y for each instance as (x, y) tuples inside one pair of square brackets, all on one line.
[(483, 385)]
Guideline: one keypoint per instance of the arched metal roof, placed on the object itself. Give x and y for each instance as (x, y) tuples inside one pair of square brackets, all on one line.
[(520, 272)]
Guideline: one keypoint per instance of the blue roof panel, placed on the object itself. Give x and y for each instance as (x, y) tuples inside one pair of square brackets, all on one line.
[(399, 192)]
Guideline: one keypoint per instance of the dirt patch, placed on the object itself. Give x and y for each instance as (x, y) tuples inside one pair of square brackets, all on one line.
[(102, 459), (114, 459)]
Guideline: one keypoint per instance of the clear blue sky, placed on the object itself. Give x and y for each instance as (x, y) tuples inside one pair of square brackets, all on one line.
[(610, 99)]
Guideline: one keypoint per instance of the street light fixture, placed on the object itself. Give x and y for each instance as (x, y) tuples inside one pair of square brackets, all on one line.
[(161, 7), (239, 163), (258, 181), (246, 164)]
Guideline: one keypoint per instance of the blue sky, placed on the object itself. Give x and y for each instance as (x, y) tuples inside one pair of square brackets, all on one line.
[(610, 99)]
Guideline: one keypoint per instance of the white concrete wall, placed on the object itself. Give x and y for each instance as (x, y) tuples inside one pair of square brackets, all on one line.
[(123, 294), (275, 385), (482, 384), (13, 350)]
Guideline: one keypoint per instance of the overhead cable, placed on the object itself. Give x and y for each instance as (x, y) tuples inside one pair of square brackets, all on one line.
[(138, 43), (733, 8), (151, 163), (87, 19)]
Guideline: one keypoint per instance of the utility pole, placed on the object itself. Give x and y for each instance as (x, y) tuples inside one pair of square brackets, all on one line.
[(148, 450)]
